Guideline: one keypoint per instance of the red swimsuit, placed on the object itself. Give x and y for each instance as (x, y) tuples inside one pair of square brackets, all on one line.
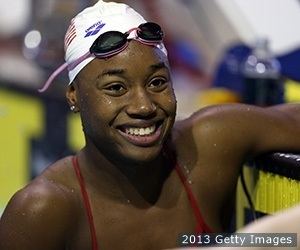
[(201, 226)]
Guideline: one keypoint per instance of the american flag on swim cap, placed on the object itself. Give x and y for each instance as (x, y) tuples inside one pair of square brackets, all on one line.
[(84, 29), (70, 34), (87, 25)]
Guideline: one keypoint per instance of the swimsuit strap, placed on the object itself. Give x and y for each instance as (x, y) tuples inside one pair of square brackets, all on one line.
[(201, 225), (86, 202)]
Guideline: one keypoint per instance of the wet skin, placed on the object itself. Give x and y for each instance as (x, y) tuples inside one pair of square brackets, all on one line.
[(115, 97), (117, 94)]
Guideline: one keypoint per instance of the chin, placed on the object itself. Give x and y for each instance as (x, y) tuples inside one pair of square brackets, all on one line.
[(140, 155)]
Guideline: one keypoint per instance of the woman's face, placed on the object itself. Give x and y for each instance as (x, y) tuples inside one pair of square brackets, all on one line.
[(127, 103)]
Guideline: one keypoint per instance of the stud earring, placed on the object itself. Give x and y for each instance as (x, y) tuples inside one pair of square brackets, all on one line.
[(72, 108)]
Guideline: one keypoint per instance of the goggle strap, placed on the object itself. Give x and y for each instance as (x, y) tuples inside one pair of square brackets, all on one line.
[(61, 69), (52, 77), (72, 65), (131, 30), (148, 42)]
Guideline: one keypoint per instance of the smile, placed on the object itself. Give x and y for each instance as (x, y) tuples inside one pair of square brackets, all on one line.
[(141, 131), (141, 136)]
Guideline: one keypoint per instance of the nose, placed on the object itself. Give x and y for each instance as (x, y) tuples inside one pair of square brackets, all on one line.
[(141, 104)]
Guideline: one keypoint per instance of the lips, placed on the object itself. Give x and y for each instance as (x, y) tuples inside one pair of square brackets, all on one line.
[(141, 136)]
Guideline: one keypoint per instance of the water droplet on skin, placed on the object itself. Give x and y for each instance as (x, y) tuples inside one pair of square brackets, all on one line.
[(215, 144), (106, 100), (186, 169)]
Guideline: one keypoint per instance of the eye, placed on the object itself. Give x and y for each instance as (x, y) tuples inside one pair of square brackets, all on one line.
[(115, 89), (158, 84)]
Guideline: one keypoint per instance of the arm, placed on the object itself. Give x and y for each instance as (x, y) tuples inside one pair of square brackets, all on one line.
[(227, 136), (251, 130), (286, 134), (37, 217)]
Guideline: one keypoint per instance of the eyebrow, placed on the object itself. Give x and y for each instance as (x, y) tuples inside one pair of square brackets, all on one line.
[(158, 66), (110, 72), (119, 72)]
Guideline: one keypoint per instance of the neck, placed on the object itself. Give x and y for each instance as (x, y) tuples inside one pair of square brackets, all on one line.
[(141, 183)]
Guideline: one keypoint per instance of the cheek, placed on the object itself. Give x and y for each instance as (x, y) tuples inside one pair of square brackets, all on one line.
[(105, 101), (97, 111), (96, 101), (168, 102)]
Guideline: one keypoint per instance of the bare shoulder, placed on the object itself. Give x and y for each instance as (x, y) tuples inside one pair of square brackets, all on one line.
[(246, 129), (39, 215), (241, 116), (226, 114), (217, 125), (216, 115)]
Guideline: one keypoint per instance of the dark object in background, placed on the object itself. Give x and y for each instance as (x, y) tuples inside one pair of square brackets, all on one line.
[(261, 71), (228, 73), (284, 164)]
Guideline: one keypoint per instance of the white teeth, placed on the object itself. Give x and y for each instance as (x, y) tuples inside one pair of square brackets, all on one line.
[(140, 131)]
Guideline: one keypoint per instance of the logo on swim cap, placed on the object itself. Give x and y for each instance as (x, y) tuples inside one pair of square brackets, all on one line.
[(94, 29)]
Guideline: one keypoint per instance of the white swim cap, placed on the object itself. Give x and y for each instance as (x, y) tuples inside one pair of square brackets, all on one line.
[(90, 23), (86, 27)]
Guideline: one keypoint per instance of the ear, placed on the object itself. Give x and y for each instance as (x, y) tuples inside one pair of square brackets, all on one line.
[(71, 95)]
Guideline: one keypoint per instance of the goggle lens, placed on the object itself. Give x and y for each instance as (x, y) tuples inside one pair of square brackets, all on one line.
[(114, 41), (108, 41), (150, 32)]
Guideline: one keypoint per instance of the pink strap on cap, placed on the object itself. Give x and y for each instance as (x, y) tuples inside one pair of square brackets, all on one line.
[(52, 77), (61, 69)]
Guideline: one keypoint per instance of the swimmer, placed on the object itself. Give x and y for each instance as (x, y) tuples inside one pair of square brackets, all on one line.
[(142, 178)]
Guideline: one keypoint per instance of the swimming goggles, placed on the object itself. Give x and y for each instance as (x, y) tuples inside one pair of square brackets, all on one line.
[(111, 43)]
